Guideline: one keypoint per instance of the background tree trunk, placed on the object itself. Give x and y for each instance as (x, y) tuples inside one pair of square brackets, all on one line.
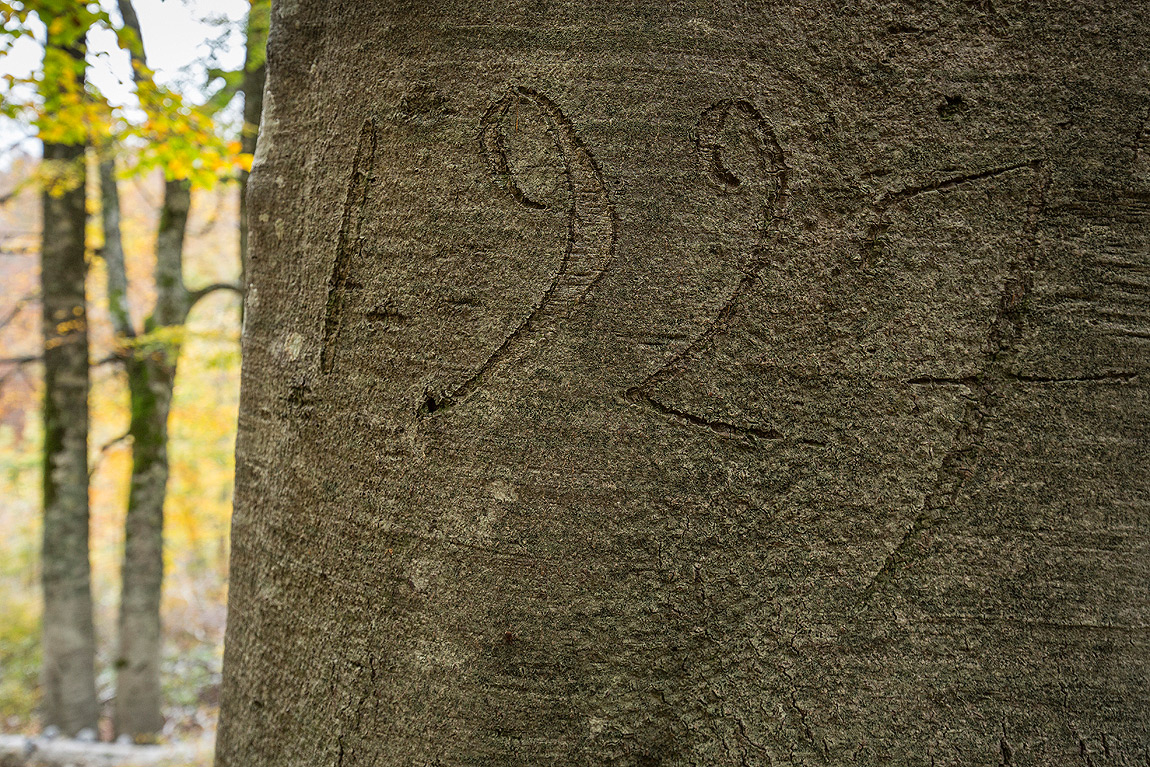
[(252, 86), (150, 365), (151, 370), (695, 384), (69, 639)]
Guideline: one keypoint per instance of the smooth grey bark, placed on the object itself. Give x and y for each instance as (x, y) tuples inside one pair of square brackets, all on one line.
[(68, 635), (695, 384)]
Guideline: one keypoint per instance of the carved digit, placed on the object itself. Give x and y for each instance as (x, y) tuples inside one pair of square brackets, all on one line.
[(753, 165), (591, 230), (350, 244)]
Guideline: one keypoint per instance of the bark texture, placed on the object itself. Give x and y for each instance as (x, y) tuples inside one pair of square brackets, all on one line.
[(695, 384), (69, 638)]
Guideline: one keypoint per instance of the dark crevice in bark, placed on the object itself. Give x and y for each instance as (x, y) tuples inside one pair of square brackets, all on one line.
[(1116, 377), (717, 426), (943, 381), (891, 198)]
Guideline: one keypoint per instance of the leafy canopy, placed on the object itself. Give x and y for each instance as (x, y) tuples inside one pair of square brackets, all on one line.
[(166, 131)]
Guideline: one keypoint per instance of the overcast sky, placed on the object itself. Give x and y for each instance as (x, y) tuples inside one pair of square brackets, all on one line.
[(179, 35)]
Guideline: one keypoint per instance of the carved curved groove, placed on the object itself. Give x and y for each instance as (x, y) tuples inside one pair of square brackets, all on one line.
[(772, 170), (591, 233), (349, 246), (770, 184)]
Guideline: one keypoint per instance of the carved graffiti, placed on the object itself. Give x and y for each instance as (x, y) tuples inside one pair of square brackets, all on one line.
[(739, 158), (349, 247), (763, 174), (590, 240), (986, 388)]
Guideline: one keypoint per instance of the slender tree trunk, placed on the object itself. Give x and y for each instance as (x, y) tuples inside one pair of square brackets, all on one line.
[(150, 364), (139, 702), (69, 640), (151, 370), (255, 74), (113, 250), (695, 384)]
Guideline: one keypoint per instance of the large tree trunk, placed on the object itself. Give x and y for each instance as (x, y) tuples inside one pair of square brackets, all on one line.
[(695, 384), (69, 639)]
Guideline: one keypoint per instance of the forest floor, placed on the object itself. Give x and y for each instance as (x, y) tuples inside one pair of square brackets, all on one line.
[(25, 751)]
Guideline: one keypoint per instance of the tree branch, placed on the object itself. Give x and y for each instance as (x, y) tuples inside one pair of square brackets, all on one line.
[(203, 292), (20, 360), (103, 450), (18, 364), (132, 22), (20, 305)]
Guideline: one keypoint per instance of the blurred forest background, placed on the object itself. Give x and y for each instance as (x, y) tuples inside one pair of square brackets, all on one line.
[(169, 117)]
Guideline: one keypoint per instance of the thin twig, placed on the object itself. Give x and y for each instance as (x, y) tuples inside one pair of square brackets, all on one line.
[(103, 450), (20, 360)]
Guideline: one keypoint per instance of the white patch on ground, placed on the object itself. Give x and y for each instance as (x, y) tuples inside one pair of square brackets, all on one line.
[(19, 750)]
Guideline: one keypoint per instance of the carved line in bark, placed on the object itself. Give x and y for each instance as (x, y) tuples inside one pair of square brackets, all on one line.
[(592, 226), (773, 172), (1005, 328), (350, 244), (871, 244)]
